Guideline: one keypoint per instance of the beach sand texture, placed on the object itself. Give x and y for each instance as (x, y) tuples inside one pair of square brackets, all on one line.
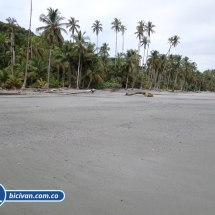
[(111, 154)]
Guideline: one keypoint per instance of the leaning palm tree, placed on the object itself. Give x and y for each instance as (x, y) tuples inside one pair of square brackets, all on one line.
[(97, 27), (80, 45), (73, 25), (52, 31), (123, 29), (173, 41), (149, 29), (116, 25)]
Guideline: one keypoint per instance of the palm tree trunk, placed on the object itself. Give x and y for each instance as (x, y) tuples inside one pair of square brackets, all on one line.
[(116, 49), (49, 67), (143, 58), (89, 85), (69, 74), (142, 69), (11, 42), (97, 44), (58, 73), (80, 74), (126, 86), (123, 43), (3, 46), (176, 77), (168, 81), (133, 84), (63, 76), (31, 50), (29, 35), (147, 53), (141, 85), (13, 49), (79, 61)]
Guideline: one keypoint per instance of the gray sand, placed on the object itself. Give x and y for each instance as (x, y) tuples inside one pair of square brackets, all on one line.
[(110, 153)]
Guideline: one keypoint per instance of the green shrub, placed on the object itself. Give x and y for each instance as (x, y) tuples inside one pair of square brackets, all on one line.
[(113, 83), (40, 83), (54, 83)]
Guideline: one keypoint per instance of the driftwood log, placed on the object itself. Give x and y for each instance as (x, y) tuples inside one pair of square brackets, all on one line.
[(146, 94)]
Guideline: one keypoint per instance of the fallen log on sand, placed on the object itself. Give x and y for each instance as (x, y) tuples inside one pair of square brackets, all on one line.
[(11, 93), (146, 94), (80, 92)]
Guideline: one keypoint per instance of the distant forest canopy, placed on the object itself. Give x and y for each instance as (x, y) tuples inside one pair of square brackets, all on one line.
[(79, 63)]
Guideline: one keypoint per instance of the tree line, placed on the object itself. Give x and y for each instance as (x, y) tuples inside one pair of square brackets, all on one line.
[(47, 60)]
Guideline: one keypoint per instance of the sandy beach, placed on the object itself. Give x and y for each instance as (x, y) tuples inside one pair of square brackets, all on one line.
[(111, 154)]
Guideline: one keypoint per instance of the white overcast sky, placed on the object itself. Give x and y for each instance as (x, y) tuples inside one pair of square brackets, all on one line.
[(192, 20)]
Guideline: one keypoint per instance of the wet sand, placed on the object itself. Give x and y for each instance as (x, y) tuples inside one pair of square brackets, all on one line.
[(110, 153)]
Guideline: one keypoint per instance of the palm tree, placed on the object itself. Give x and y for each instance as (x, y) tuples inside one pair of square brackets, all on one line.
[(116, 25), (27, 58), (149, 29), (178, 66), (73, 25), (52, 31), (123, 29), (97, 27), (139, 32), (80, 45), (130, 64), (12, 23), (144, 42), (153, 66), (104, 49), (173, 41)]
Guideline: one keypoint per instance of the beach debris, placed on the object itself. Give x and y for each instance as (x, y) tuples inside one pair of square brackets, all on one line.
[(146, 94), (53, 90)]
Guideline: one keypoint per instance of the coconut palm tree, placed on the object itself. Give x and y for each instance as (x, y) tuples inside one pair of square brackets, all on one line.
[(116, 26), (97, 27), (80, 45), (173, 41), (178, 59), (27, 58), (52, 31), (149, 29), (130, 64), (123, 29), (144, 42), (73, 25), (104, 50), (139, 33), (12, 23), (153, 66)]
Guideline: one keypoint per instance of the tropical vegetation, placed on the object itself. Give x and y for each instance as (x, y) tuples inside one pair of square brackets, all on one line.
[(52, 61)]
